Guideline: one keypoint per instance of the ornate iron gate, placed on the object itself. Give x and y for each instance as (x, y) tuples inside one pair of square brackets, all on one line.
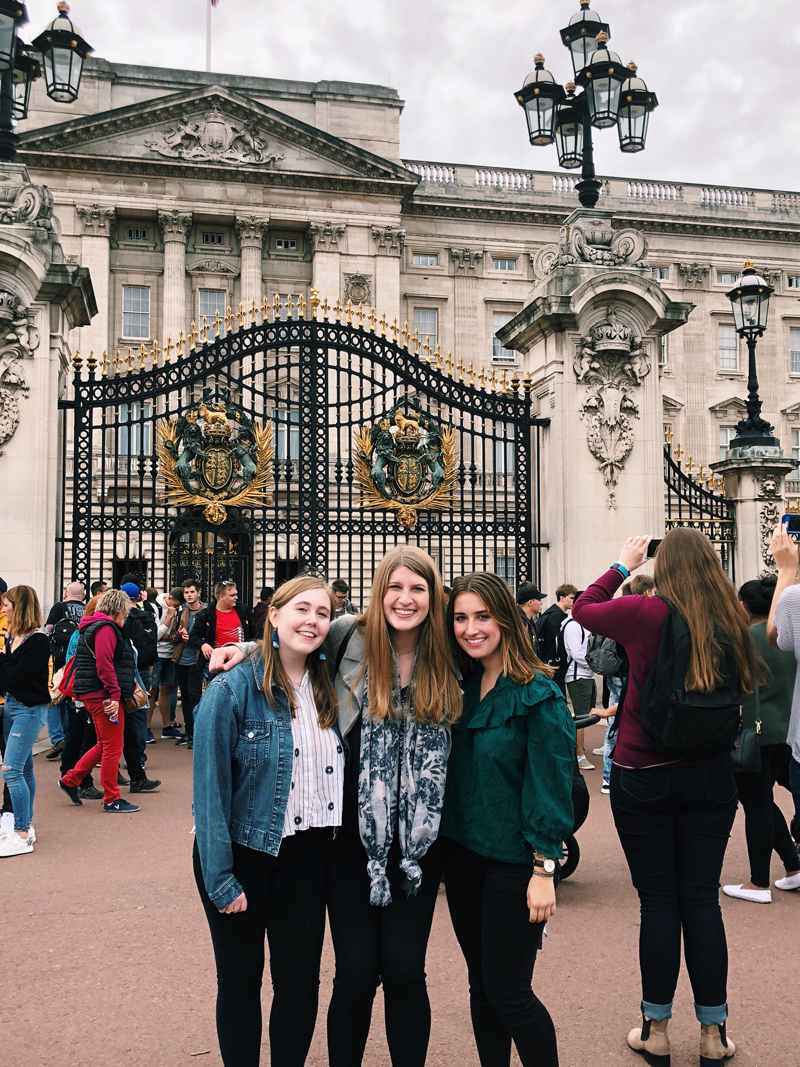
[(691, 503), (270, 442)]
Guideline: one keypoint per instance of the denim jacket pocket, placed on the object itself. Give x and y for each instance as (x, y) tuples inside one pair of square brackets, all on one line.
[(253, 745)]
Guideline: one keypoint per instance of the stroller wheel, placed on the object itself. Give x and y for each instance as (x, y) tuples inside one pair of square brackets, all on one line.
[(572, 855)]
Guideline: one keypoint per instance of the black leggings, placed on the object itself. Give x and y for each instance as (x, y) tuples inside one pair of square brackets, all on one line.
[(764, 825), (373, 945), (79, 737), (286, 899), (488, 905)]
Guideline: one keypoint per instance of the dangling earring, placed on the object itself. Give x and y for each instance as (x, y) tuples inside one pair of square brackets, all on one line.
[(275, 642), (322, 652)]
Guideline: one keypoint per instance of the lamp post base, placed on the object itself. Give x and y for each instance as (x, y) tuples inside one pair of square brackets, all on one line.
[(588, 192), (754, 439)]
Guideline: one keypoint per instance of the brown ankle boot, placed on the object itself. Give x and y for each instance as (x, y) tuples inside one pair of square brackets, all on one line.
[(651, 1041), (715, 1045)]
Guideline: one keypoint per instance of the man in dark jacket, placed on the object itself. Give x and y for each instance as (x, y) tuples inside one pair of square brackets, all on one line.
[(549, 626), (67, 613), (529, 602), (141, 630), (223, 622)]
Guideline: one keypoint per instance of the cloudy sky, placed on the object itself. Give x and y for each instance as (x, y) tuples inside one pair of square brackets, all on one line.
[(722, 70)]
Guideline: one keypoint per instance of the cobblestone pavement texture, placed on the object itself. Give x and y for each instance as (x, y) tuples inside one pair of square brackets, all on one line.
[(106, 959)]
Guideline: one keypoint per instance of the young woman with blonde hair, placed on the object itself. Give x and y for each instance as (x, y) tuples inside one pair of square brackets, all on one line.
[(268, 768), (674, 816), (507, 812)]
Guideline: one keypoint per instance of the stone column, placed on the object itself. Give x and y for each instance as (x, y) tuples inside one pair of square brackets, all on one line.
[(98, 224), (175, 226), (323, 239), (389, 244), (466, 262), (251, 230), (755, 485)]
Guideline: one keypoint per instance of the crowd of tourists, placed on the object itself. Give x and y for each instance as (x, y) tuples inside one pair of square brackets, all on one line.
[(345, 762)]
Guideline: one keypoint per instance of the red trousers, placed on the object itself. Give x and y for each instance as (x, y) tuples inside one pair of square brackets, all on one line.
[(108, 750)]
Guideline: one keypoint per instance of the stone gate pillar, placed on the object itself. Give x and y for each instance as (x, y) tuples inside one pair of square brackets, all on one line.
[(591, 335), (754, 483)]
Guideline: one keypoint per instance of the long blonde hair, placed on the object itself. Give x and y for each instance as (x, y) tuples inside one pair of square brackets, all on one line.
[(436, 696), (688, 573), (274, 671), (27, 615), (520, 662)]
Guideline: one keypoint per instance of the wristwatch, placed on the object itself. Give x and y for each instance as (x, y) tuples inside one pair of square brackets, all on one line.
[(622, 569), (544, 868)]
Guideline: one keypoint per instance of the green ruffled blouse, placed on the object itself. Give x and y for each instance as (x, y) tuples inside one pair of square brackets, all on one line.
[(509, 774)]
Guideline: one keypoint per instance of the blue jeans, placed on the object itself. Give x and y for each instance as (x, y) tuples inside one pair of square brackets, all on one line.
[(614, 689), (55, 724), (21, 727), (674, 824)]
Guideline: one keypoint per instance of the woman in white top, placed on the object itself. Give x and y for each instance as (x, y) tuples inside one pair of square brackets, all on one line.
[(268, 778)]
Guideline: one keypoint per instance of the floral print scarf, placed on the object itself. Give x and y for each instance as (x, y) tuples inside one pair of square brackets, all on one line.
[(401, 778)]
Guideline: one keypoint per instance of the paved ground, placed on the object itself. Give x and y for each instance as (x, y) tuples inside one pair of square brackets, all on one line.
[(105, 957)]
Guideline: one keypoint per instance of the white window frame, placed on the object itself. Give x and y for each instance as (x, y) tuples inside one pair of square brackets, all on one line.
[(134, 318), (794, 350), (726, 435), (504, 454), (285, 244), (213, 238), (431, 259), (206, 291), (137, 233), (793, 281), (506, 567), (725, 277), (499, 354), (663, 351), (726, 326), (433, 338), (135, 430), (661, 274), (286, 424), (504, 263)]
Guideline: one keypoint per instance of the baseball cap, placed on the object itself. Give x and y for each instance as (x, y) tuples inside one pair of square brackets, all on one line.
[(529, 592), (132, 590)]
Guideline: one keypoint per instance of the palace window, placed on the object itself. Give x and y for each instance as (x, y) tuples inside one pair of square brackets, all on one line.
[(728, 347), (795, 475), (286, 244), (136, 312), (287, 434), (136, 233), (212, 237), (793, 281), (426, 320), (725, 278), (662, 352), (500, 354), (505, 458), (135, 429), (794, 351), (726, 435), (209, 302), (425, 259), (504, 264), (661, 273), (506, 567)]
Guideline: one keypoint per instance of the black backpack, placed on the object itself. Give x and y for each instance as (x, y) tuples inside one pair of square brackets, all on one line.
[(686, 724), (141, 628), (547, 636), (60, 637)]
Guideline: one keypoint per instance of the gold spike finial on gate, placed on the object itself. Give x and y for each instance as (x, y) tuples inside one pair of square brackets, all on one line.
[(426, 349), (104, 364), (337, 311), (404, 334), (193, 335), (155, 353), (438, 355), (372, 319), (504, 381), (349, 311), (240, 315), (678, 452), (129, 359), (383, 324), (668, 434), (471, 374), (482, 378), (360, 315), (301, 307), (142, 357), (314, 301), (117, 362), (326, 308), (169, 348), (515, 383), (77, 362), (91, 363), (394, 328), (265, 306), (527, 383), (227, 318), (460, 369), (203, 338), (217, 322), (181, 344), (492, 381), (253, 312), (276, 306), (448, 364)]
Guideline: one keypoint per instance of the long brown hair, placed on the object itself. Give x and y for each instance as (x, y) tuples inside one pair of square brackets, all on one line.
[(689, 574), (274, 671), (436, 696), (27, 615), (520, 662)]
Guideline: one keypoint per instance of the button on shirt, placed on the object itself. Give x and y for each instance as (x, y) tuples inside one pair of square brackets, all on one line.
[(315, 795)]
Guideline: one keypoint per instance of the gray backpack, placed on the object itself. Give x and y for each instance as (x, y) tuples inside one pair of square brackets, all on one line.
[(603, 656)]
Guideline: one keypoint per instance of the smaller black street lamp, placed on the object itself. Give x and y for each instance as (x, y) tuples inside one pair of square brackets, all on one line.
[(750, 302), (63, 50), (613, 96)]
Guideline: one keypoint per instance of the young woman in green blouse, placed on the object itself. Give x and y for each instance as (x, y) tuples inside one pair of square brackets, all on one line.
[(507, 810)]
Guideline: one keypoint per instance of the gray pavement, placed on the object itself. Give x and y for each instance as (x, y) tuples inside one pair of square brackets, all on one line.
[(105, 957)]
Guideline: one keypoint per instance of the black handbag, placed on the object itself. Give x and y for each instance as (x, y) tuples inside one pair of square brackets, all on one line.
[(746, 752)]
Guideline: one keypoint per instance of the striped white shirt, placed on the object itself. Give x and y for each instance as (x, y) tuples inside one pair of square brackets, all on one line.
[(315, 794)]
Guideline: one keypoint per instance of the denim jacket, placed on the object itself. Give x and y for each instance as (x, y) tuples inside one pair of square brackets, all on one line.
[(242, 773)]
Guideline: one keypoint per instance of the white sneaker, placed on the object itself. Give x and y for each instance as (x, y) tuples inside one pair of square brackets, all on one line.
[(14, 845), (758, 896), (31, 834), (7, 822), (597, 751), (606, 788), (584, 764), (791, 881)]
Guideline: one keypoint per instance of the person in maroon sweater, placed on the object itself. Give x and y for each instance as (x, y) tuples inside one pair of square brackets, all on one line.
[(674, 817)]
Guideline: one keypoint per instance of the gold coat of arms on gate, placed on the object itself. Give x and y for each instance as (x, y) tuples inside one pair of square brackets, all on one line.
[(405, 462), (216, 456)]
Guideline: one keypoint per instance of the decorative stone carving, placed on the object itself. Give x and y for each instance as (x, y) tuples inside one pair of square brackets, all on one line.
[(611, 362), (466, 259), (251, 230), (772, 277), (358, 288), (769, 487), (20, 340), (768, 519), (325, 236), (97, 221), (214, 139), (213, 266), (22, 202), (390, 240), (175, 225), (591, 240), (694, 275)]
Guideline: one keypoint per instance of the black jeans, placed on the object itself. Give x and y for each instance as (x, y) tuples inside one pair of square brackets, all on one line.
[(286, 900), (488, 905), (674, 825), (134, 743), (764, 825), (79, 737), (190, 680), (373, 945), (6, 795)]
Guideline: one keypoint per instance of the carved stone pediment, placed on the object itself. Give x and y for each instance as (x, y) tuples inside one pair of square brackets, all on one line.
[(212, 266), (214, 138), (590, 240), (671, 407), (792, 413), (733, 408)]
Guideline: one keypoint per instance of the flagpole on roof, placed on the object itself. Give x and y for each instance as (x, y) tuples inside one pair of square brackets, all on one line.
[(208, 35)]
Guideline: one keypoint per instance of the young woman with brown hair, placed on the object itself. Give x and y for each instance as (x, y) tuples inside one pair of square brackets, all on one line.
[(674, 816), (507, 811), (268, 767)]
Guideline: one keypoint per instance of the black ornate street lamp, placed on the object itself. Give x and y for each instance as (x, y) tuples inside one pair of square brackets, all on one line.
[(613, 96), (63, 50), (750, 302)]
